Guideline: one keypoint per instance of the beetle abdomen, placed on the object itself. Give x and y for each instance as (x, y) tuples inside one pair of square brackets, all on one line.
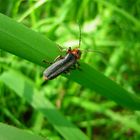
[(59, 67)]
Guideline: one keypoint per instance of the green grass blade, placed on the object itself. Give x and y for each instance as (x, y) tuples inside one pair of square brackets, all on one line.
[(26, 89), (121, 11), (126, 120), (11, 133), (19, 40), (96, 81), (31, 9), (30, 45)]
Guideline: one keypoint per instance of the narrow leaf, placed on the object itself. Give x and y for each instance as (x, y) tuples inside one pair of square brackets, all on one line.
[(12, 133), (27, 90), (23, 42)]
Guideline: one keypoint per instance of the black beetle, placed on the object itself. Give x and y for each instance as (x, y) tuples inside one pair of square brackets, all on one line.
[(63, 64)]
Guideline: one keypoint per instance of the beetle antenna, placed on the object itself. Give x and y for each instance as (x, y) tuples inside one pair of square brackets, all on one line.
[(96, 51), (79, 35)]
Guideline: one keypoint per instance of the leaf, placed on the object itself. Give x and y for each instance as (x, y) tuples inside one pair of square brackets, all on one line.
[(23, 42), (94, 80), (27, 90), (12, 133)]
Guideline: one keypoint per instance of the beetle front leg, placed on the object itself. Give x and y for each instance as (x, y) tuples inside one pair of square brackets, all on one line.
[(61, 48)]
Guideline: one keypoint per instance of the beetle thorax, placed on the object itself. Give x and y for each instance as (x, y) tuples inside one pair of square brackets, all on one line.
[(76, 52)]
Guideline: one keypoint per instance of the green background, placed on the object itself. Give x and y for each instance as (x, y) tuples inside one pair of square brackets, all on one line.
[(27, 102)]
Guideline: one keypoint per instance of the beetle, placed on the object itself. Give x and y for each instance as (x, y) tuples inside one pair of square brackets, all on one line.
[(63, 64)]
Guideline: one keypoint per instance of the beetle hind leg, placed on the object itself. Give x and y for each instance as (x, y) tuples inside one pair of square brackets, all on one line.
[(78, 66), (75, 66), (67, 72)]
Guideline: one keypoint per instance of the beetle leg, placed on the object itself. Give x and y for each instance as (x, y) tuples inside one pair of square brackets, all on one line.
[(67, 71), (58, 58), (45, 61), (73, 67), (61, 48), (78, 66)]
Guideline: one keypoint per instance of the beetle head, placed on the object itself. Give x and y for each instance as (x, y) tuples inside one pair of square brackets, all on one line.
[(76, 52)]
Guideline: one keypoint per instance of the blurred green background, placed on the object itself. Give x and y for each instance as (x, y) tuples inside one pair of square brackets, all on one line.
[(112, 27)]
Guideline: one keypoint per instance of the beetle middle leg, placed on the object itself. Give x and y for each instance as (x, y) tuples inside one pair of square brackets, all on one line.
[(67, 71), (56, 59)]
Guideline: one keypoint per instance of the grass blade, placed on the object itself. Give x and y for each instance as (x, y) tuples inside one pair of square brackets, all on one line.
[(27, 90), (23, 42), (11, 133), (96, 81), (30, 10), (19, 40)]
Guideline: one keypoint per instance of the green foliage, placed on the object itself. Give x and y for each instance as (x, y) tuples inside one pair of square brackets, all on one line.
[(16, 134), (17, 39), (27, 91), (112, 27)]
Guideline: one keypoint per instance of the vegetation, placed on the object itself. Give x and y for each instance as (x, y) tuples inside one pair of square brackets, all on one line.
[(99, 102)]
